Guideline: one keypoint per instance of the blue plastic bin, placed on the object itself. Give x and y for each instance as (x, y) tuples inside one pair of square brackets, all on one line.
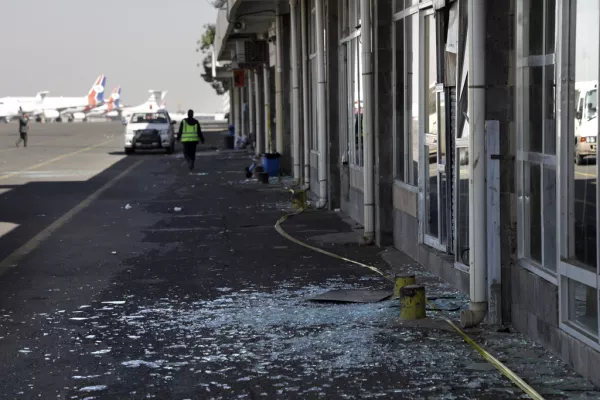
[(270, 163)]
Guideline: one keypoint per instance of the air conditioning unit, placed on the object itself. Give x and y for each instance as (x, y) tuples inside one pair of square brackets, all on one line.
[(252, 53)]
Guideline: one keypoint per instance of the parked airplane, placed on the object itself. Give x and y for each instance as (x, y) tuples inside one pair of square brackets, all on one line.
[(154, 102), (53, 107), (10, 107), (56, 107)]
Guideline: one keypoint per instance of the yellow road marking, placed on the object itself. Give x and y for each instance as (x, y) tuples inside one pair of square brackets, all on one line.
[(33, 243), (52, 160), (507, 372)]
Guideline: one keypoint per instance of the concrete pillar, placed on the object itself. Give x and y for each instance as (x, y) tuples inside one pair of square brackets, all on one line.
[(332, 108), (230, 120), (286, 161), (267, 97), (500, 107), (259, 107), (321, 105), (305, 104), (296, 102), (383, 123), (237, 112), (477, 157), (244, 98), (279, 80), (368, 147), (243, 115), (251, 131)]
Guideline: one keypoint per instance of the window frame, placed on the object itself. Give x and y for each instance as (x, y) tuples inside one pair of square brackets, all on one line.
[(568, 267), (409, 171), (351, 44), (460, 147), (351, 81), (544, 160), (424, 165)]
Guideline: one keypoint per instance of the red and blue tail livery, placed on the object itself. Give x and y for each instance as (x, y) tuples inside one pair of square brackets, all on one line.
[(96, 94), (115, 99)]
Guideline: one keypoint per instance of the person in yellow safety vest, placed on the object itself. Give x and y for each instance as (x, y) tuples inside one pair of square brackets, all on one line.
[(189, 135)]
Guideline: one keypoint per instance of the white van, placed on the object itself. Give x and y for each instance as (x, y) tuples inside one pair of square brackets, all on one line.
[(586, 123), (150, 130)]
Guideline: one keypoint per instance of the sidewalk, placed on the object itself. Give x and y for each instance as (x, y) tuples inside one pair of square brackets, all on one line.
[(429, 359), (372, 339), (342, 350)]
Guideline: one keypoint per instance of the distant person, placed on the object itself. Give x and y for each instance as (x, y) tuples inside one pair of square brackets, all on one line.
[(189, 134), (23, 129)]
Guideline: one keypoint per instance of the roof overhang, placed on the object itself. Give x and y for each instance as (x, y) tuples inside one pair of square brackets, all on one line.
[(243, 19)]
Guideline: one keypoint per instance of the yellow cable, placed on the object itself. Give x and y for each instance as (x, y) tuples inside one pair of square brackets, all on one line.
[(507, 372), (283, 233)]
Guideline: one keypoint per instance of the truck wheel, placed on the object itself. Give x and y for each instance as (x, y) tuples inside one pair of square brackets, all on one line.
[(128, 150), (171, 148)]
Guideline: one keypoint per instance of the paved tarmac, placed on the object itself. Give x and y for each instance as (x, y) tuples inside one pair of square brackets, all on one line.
[(131, 278)]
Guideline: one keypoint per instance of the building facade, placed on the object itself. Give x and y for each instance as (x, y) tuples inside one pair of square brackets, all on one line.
[(461, 132)]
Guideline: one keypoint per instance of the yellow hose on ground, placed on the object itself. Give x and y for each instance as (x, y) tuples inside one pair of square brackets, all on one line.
[(507, 372)]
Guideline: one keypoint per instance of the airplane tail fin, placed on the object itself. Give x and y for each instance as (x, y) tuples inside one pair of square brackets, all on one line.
[(155, 96), (96, 93), (115, 99), (163, 102), (156, 99), (40, 96)]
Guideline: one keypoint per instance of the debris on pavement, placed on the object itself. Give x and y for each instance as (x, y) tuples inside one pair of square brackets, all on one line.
[(128, 207), (213, 303), (353, 296), (97, 388)]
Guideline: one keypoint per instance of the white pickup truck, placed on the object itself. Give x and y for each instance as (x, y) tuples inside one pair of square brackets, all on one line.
[(586, 123), (150, 130)]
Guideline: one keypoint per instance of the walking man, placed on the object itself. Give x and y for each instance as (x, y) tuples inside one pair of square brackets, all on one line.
[(189, 134), (23, 129)]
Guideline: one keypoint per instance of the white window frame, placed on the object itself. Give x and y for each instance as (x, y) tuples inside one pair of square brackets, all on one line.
[(567, 268), (543, 160), (355, 154), (424, 164), (407, 159), (461, 143)]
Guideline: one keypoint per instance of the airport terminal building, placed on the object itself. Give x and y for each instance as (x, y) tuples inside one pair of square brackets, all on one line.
[(461, 132)]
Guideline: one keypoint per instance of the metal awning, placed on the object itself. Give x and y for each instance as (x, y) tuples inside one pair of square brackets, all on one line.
[(243, 19)]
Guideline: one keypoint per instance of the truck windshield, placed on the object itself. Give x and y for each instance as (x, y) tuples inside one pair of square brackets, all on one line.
[(591, 101), (149, 118)]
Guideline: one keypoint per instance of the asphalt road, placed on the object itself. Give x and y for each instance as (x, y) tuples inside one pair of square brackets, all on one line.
[(130, 278)]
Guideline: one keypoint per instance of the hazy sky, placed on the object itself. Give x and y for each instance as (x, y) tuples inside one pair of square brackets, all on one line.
[(63, 45)]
